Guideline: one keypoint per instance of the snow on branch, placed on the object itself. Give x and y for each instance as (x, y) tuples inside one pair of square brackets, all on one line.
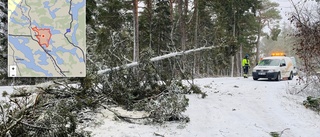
[(158, 58)]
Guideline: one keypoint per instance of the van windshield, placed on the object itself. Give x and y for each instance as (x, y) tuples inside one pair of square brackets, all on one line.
[(269, 62)]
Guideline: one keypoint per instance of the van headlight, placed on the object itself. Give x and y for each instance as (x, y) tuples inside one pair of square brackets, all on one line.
[(254, 70), (272, 70)]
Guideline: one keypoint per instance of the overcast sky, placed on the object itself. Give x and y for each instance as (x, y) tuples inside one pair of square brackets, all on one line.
[(286, 7)]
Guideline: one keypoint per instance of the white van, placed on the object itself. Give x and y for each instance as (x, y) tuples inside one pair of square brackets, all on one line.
[(274, 68), (295, 67)]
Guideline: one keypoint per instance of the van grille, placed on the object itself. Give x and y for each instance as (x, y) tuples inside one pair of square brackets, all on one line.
[(262, 70)]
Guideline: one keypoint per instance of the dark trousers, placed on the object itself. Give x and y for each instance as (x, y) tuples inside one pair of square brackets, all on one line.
[(245, 70)]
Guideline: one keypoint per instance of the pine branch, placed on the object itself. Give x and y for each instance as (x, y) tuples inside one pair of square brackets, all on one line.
[(283, 131), (3, 116), (157, 134), (27, 124), (16, 121)]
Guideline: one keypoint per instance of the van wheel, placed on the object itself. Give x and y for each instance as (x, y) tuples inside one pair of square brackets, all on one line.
[(278, 77), (291, 76), (255, 78)]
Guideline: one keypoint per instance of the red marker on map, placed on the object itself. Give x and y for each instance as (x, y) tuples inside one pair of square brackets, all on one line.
[(43, 35)]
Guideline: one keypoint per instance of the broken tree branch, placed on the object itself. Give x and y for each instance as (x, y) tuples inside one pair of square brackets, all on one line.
[(154, 59), (124, 118)]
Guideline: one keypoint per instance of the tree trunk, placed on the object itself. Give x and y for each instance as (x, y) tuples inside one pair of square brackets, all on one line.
[(195, 55), (186, 6), (182, 31), (237, 64), (240, 56), (159, 58), (150, 14), (171, 9), (136, 32), (258, 43), (232, 66), (234, 35)]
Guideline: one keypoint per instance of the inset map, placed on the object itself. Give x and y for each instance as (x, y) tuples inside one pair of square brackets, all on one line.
[(47, 38)]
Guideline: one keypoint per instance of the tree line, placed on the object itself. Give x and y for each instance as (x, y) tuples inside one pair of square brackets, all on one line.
[(138, 53), (122, 31), (157, 27)]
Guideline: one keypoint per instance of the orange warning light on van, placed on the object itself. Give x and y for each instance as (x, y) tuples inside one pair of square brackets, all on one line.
[(278, 54)]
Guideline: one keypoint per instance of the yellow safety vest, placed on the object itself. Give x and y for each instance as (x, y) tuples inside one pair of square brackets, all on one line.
[(245, 62)]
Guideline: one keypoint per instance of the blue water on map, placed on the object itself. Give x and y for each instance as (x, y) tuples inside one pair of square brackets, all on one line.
[(19, 6), (75, 9), (25, 18), (59, 60), (52, 30), (73, 51), (52, 13), (56, 57), (22, 17), (60, 48), (14, 13), (25, 9), (74, 39), (54, 54), (43, 57), (20, 44), (16, 22), (81, 59)]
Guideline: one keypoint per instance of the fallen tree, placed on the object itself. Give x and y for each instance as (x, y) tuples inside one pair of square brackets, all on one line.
[(55, 108), (47, 109), (159, 58)]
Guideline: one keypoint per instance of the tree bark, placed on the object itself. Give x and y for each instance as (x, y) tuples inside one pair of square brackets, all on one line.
[(258, 43), (182, 30), (150, 13), (171, 9), (240, 56), (237, 63), (186, 6), (195, 55), (234, 35), (136, 31)]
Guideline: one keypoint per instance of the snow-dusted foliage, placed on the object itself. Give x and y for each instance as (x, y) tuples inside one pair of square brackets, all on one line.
[(312, 103), (307, 35), (169, 105), (49, 109), (312, 86), (307, 23), (144, 88)]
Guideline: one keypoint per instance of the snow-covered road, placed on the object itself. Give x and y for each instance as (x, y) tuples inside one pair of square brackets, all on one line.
[(238, 107), (234, 107)]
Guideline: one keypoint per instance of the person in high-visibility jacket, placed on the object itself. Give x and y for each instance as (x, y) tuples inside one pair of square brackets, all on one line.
[(245, 66)]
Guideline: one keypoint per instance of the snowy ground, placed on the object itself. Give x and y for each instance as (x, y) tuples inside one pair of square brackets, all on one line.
[(234, 107), (8, 89)]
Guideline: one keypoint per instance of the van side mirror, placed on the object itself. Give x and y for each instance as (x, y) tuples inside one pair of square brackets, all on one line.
[(282, 64)]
